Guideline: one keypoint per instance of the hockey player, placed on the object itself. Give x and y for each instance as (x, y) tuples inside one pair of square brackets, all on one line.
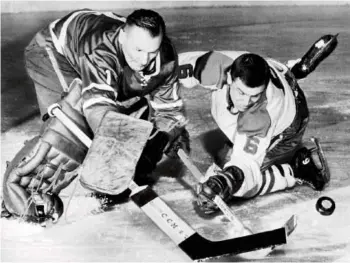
[(259, 106), (92, 62)]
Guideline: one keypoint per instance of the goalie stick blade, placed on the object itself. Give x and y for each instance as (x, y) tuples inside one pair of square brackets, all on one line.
[(289, 227), (199, 248), (194, 245)]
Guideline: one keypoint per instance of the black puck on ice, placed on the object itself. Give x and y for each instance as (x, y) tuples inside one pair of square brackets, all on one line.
[(325, 205)]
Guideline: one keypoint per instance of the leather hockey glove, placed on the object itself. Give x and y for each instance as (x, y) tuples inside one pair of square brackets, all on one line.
[(224, 184), (152, 153), (44, 166), (182, 141), (160, 143)]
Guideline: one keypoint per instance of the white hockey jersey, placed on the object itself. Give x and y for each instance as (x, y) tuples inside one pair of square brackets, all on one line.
[(256, 130)]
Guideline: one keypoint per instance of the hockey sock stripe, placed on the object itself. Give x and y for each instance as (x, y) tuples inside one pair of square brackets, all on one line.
[(280, 168), (268, 181), (289, 175), (272, 180), (263, 184)]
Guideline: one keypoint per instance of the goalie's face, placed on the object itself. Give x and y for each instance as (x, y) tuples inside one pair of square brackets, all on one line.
[(139, 47), (243, 96)]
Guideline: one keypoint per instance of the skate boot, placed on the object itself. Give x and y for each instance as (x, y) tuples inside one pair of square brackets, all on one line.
[(310, 167), (320, 50)]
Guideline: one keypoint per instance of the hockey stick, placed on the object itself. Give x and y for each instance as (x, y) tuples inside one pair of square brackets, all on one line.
[(194, 245)]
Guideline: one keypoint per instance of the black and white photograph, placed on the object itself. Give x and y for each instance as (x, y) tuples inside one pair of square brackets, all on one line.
[(175, 131)]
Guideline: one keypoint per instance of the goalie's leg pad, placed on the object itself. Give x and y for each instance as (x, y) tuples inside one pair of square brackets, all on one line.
[(110, 164)]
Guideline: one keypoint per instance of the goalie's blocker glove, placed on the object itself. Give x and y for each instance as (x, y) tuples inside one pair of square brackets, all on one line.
[(160, 143), (181, 141), (224, 184)]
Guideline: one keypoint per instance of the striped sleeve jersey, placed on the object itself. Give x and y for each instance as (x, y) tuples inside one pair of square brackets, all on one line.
[(89, 41)]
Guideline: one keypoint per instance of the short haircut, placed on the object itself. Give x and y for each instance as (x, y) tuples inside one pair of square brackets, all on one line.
[(252, 69), (149, 20)]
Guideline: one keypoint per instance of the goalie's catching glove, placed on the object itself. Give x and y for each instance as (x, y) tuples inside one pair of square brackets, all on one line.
[(224, 184), (46, 164)]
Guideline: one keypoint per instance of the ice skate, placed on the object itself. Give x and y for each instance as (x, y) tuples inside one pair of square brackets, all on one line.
[(310, 167)]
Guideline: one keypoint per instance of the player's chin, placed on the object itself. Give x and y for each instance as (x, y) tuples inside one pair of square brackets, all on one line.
[(136, 67), (241, 109)]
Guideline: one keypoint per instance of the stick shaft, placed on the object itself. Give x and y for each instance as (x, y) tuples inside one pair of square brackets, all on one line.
[(55, 110)]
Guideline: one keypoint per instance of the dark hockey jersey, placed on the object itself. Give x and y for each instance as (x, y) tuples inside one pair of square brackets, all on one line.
[(89, 41)]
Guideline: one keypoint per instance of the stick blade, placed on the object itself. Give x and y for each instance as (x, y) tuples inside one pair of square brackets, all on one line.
[(289, 227), (199, 248)]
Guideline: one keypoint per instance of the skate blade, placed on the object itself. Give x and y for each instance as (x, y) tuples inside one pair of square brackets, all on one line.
[(322, 158)]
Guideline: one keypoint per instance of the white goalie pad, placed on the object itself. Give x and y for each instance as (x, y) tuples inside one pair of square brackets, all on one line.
[(110, 163)]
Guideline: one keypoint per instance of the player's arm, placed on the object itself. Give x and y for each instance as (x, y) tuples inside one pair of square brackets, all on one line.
[(208, 69), (98, 81), (168, 113), (247, 157)]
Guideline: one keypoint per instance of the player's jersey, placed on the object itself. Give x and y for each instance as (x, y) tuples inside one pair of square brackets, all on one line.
[(89, 41), (256, 130)]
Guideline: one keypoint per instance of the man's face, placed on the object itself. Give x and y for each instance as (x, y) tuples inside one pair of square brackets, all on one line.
[(243, 96), (139, 46)]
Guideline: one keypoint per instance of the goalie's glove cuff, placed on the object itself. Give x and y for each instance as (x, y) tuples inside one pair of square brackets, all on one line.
[(153, 152), (47, 207)]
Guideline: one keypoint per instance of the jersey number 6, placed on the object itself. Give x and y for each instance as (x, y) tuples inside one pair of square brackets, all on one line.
[(251, 145)]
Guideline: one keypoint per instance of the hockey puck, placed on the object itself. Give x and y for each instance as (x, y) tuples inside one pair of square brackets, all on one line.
[(325, 205)]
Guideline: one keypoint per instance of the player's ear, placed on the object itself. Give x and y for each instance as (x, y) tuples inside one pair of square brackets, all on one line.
[(122, 36)]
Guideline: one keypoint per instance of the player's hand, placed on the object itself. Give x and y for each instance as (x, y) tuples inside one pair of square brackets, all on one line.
[(182, 141), (206, 193)]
